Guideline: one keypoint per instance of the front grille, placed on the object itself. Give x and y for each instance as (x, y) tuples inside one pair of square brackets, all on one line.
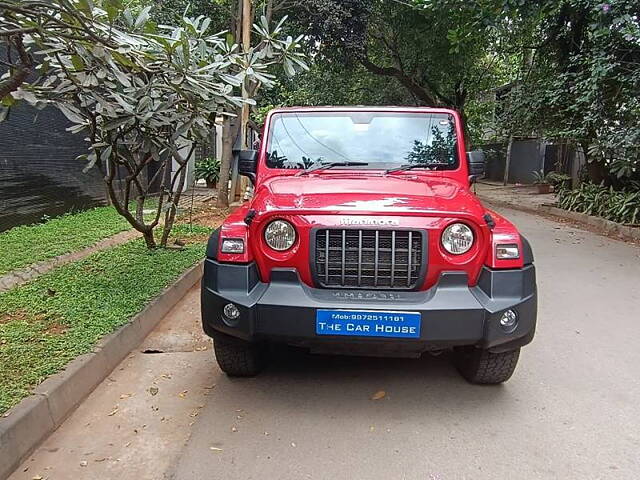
[(353, 258)]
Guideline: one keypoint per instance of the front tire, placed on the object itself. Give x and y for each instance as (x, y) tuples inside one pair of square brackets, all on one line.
[(484, 367), (238, 358)]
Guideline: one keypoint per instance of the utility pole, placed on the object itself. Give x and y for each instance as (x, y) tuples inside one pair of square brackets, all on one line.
[(245, 34), (246, 45)]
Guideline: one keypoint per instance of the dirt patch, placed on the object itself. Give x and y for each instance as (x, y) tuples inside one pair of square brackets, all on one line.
[(191, 239), (52, 324), (207, 215), (55, 328), (17, 316)]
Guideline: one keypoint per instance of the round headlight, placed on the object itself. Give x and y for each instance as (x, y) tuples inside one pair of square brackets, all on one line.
[(280, 235), (457, 238)]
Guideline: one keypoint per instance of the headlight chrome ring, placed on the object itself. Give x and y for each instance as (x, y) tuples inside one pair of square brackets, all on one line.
[(280, 235), (457, 238)]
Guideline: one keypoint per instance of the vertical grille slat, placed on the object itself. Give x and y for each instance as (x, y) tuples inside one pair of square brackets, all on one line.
[(361, 258), (393, 256), (375, 262), (409, 261), (344, 252), (326, 257)]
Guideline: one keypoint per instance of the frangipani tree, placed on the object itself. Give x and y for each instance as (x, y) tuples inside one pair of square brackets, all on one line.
[(142, 94)]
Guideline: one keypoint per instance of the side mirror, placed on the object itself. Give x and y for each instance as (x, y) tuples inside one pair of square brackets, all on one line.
[(476, 161), (248, 163)]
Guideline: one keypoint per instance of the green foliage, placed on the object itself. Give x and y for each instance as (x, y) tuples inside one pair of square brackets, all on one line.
[(576, 77), (392, 53), (558, 180), (551, 178), (62, 314), (28, 244), (208, 169), (141, 92), (329, 82), (615, 205), (539, 177)]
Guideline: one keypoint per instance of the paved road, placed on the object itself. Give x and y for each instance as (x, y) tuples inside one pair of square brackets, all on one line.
[(570, 411)]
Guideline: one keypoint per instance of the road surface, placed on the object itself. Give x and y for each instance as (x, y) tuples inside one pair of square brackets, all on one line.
[(570, 411)]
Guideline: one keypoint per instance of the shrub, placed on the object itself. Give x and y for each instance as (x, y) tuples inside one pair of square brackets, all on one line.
[(615, 205), (208, 169)]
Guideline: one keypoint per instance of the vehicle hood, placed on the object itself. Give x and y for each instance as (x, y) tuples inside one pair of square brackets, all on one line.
[(398, 194)]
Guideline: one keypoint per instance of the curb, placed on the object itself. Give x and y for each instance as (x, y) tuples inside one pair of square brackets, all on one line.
[(34, 418), (602, 224)]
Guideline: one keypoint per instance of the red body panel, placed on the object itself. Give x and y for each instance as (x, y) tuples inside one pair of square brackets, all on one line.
[(418, 199)]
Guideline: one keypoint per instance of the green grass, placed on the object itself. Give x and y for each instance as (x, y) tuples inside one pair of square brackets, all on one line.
[(28, 244), (46, 323)]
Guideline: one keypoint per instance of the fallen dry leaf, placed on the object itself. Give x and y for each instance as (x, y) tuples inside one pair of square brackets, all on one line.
[(194, 414), (234, 429), (125, 395), (83, 463), (113, 412), (215, 449), (36, 477), (183, 394), (378, 395), (153, 390), (293, 444)]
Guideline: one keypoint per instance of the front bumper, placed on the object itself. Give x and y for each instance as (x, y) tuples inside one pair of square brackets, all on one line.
[(453, 314)]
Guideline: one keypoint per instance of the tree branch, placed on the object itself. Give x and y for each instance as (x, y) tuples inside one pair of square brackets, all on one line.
[(22, 70), (409, 83)]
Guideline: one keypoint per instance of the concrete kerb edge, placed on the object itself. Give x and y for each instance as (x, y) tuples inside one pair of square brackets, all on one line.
[(607, 226), (34, 418)]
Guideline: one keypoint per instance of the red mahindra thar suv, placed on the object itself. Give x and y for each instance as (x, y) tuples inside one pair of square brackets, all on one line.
[(363, 237)]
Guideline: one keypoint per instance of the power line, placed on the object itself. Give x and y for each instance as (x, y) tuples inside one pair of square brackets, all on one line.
[(318, 141)]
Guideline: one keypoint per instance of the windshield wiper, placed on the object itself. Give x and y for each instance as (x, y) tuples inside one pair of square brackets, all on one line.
[(326, 165), (412, 166)]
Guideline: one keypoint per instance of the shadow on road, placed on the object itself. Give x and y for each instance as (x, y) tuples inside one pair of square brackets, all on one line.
[(324, 383)]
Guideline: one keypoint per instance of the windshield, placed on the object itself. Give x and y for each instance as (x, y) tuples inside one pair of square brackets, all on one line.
[(380, 139)]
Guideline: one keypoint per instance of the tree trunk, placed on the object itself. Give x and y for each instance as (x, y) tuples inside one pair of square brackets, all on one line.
[(149, 239), (229, 133), (507, 162), (175, 194)]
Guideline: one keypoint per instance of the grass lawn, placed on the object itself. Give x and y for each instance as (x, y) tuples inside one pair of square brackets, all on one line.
[(46, 323), (24, 245)]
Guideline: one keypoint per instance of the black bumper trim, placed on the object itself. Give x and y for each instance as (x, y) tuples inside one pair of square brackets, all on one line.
[(452, 313)]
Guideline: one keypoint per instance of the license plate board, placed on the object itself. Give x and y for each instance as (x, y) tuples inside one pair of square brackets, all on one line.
[(368, 323)]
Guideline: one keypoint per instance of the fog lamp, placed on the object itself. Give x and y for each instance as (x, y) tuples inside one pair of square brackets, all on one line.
[(509, 321), (231, 311)]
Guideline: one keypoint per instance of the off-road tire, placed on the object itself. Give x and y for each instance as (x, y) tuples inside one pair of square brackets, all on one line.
[(238, 358), (484, 367)]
